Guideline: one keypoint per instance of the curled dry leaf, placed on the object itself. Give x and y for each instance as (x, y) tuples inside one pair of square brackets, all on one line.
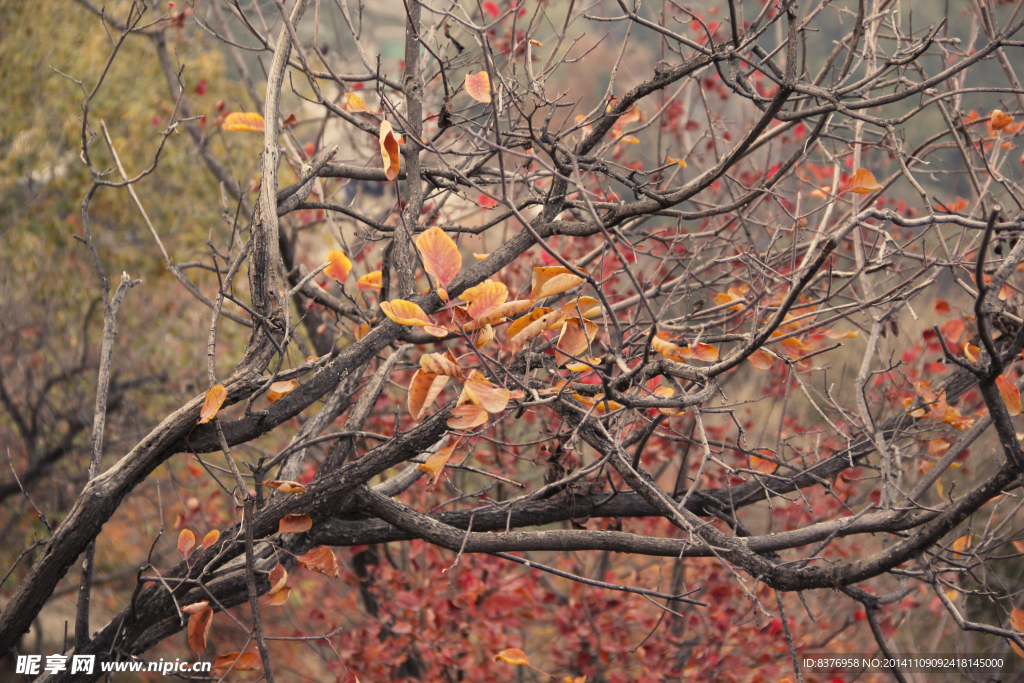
[(441, 257), (199, 621), (423, 391), (598, 402), (479, 87), (1010, 394), (389, 150), (285, 486), (485, 394), (1000, 119), (186, 541), (210, 538), (437, 364), (354, 103), (667, 392), (575, 338), (669, 350), (467, 416), (278, 597), (372, 280), (295, 524), (211, 406), (863, 182), (278, 577), (434, 465), (279, 389), (585, 307), (512, 655), (320, 559), (406, 313), (483, 337), (238, 661), (551, 280), (505, 310), (529, 327), (238, 121), (340, 266)]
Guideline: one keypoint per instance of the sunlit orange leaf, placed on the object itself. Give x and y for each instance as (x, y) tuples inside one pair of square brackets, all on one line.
[(487, 395), (279, 389), (238, 661), (441, 257), (763, 465), (505, 310), (972, 352), (1000, 120), (484, 298), (1010, 394), (519, 334), (372, 280), (479, 86), (669, 350), (199, 621), (512, 655), (705, 352), (295, 524), (588, 363), (389, 150), (434, 465), (936, 446), (361, 331), (631, 139), (467, 416), (863, 182), (186, 541), (836, 334), (243, 121), (211, 406), (960, 545), (580, 118), (598, 402), (438, 364), (320, 559), (210, 538), (480, 257), (423, 391), (483, 337), (761, 360), (575, 338), (340, 266), (723, 298), (354, 103), (584, 306), (677, 162), (405, 313), (667, 392), (551, 280), (278, 597), (278, 577), (285, 486)]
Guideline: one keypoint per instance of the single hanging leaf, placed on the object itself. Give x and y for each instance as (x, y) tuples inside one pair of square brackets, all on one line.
[(354, 103), (278, 577), (1017, 617), (479, 87), (284, 486), (372, 280), (211, 406), (238, 661), (278, 597), (1011, 395), (761, 360), (483, 336), (405, 313), (961, 545), (279, 389), (512, 655), (320, 559), (210, 538), (389, 150), (199, 621), (441, 257), (1000, 120), (340, 266), (238, 121), (505, 310), (423, 391), (295, 524), (863, 182), (551, 280), (436, 364), (705, 352), (186, 541), (434, 465)]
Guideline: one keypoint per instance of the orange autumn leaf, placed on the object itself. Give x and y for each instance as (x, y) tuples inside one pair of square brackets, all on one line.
[(763, 465), (961, 545), (434, 465), (1018, 546), (598, 402), (295, 524), (505, 310), (483, 336), (512, 655), (238, 121), (575, 338), (480, 257), (479, 87), (536, 323), (361, 331), (405, 313), (199, 621), (292, 120), (1017, 622), (238, 661), (186, 541), (484, 298), (669, 350), (372, 280), (705, 352), (389, 150), (279, 389), (1000, 119), (667, 392), (278, 597), (936, 446), (723, 298), (441, 257), (585, 306), (551, 280), (438, 364), (423, 391), (340, 266), (761, 360), (210, 538), (1010, 394), (468, 416), (972, 352), (211, 406), (486, 394), (285, 486), (320, 559), (354, 103), (836, 334), (941, 306), (863, 182), (677, 162), (278, 577)]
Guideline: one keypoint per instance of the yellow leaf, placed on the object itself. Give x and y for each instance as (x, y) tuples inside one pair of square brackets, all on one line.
[(480, 257), (667, 392), (585, 306), (437, 364), (479, 87), (521, 335), (434, 465), (551, 280), (405, 313), (669, 350), (677, 162), (243, 121), (484, 337), (487, 395), (1000, 120), (372, 280), (441, 257), (211, 406), (340, 266), (389, 150), (355, 103), (423, 391), (484, 298), (210, 538)]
